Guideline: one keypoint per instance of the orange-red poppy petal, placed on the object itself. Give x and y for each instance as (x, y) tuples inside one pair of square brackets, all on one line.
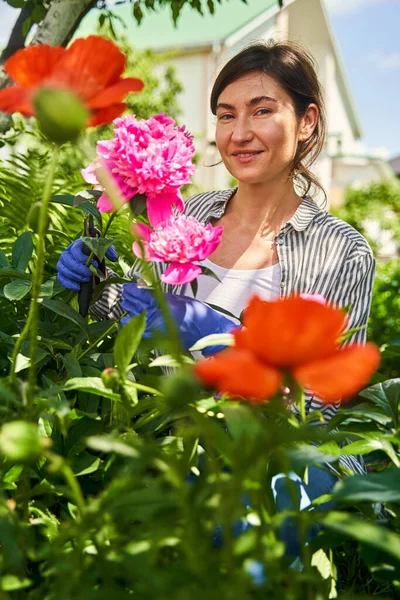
[(90, 65), (105, 115), (238, 373), (290, 331), (32, 65), (16, 99), (115, 93), (341, 375)]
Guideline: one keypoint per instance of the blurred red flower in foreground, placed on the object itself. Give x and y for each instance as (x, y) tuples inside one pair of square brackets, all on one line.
[(91, 68), (297, 336)]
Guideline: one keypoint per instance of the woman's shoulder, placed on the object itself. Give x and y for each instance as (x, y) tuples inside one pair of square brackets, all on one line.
[(338, 228), (200, 205)]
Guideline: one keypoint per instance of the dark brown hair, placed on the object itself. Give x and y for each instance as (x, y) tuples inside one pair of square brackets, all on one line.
[(293, 68)]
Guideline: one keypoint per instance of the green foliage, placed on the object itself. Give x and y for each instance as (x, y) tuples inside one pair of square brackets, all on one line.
[(379, 202)]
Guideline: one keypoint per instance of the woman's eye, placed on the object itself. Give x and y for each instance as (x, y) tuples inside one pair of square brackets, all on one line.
[(225, 117), (263, 111)]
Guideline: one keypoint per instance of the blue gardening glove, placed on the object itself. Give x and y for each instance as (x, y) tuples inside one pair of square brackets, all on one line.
[(193, 318), (71, 266)]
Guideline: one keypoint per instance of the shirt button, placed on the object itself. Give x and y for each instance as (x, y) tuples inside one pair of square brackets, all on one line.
[(282, 284), (279, 241)]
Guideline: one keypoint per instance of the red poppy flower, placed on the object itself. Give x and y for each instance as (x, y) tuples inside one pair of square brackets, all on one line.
[(296, 336), (91, 68)]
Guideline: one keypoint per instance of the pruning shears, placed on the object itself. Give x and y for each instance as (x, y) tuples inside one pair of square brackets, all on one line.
[(85, 293)]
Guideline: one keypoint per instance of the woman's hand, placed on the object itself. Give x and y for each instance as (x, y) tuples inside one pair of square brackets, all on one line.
[(71, 267), (193, 318)]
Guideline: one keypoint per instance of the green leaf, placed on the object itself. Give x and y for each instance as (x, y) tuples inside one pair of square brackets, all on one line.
[(15, 274), (215, 339), (66, 199), (11, 583), (371, 444), (110, 444), (3, 260), (17, 289), (363, 531), (61, 308), (98, 245), (93, 385), (72, 366), (167, 360), (84, 464), (386, 395), (374, 487), (127, 342), (22, 251), (210, 273)]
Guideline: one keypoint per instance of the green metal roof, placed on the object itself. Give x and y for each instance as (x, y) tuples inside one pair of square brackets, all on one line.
[(157, 29)]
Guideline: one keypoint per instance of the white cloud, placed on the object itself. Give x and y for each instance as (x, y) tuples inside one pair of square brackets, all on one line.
[(386, 61), (347, 6)]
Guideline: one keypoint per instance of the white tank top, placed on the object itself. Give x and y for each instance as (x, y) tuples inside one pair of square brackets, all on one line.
[(236, 286)]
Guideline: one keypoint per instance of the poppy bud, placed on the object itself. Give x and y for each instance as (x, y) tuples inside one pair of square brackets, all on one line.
[(111, 379), (60, 114), (20, 442), (33, 217)]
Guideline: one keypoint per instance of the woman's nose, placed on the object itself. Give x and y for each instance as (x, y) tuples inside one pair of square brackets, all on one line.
[(242, 131)]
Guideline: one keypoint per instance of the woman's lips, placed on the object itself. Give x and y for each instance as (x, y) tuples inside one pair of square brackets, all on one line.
[(246, 157)]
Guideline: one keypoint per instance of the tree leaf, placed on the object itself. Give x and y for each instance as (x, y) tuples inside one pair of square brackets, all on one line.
[(127, 342), (17, 289), (61, 308), (22, 251)]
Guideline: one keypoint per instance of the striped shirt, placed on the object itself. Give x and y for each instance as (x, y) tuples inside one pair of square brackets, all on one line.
[(318, 254)]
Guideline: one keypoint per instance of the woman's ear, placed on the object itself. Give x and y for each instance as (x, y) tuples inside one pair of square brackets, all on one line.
[(308, 123)]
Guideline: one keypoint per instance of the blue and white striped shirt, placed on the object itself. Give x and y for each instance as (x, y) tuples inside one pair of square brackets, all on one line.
[(318, 254)]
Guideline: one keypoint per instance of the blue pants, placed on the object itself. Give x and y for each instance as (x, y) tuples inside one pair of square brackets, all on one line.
[(319, 482)]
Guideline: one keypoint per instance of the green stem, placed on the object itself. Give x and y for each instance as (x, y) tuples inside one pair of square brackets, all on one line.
[(37, 277), (99, 339), (31, 326), (74, 485)]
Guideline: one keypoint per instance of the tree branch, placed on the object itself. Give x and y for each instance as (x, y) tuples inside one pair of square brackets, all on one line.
[(61, 21)]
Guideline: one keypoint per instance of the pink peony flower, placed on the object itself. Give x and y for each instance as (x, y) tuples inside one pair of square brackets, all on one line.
[(150, 156), (179, 241)]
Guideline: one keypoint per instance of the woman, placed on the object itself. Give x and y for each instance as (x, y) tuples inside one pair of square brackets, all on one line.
[(276, 240)]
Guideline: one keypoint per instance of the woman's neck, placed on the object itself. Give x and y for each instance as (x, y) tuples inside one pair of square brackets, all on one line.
[(265, 206)]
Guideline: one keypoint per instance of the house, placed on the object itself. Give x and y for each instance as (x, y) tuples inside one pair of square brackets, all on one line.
[(203, 44), (395, 164)]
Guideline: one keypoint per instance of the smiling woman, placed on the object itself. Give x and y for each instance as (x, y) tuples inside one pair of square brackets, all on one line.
[(276, 240)]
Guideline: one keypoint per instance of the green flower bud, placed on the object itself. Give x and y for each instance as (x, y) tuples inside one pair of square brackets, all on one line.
[(20, 442), (111, 379), (60, 114), (33, 217), (181, 388)]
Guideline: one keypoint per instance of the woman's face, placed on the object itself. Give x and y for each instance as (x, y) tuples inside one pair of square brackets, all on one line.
[(258, 130)]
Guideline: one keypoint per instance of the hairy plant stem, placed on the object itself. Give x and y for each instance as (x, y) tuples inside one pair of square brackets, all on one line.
[(32, 323)]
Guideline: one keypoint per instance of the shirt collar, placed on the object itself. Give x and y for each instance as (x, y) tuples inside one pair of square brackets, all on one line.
[(301, 219)]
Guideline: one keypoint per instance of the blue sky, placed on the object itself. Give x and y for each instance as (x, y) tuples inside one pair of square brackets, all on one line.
[(367, 33)]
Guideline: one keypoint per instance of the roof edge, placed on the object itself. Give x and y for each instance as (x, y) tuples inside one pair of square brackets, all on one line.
[(348, 97)]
